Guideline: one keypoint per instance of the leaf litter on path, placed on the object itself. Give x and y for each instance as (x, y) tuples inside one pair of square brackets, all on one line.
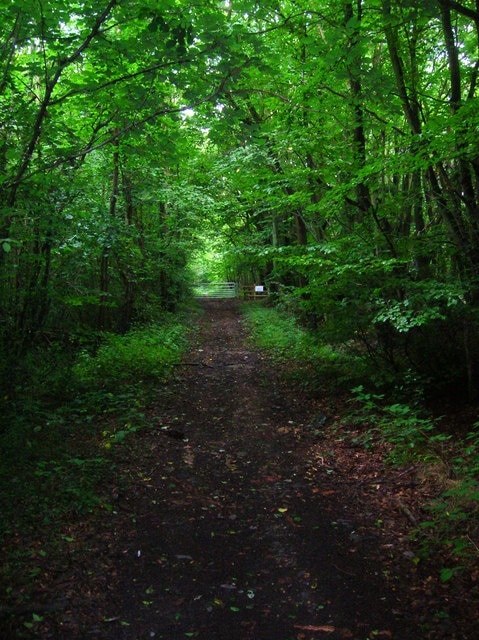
[(242, 528)]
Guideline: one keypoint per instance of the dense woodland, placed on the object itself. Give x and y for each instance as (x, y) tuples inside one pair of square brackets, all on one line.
[(328, 150)]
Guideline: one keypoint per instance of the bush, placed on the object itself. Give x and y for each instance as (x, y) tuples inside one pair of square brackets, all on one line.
[(380, 307), (277, 333)]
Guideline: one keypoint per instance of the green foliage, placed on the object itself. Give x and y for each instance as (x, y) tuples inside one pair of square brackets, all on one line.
[(141, 354), (278, 333), (98, 214), (378, 307), (453, 516), (311, 361), (141, 147), (57, 451), (70, 485), (409, 435), (55, 448), (203, 141)]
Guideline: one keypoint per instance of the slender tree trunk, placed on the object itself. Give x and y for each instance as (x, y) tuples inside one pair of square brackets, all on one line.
[(408, 94), (128, 295), (410, 103), (354, 70), (464, 186), (105, 256)]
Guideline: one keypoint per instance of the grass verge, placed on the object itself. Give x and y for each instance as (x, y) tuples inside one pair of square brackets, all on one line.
[(310, 361)]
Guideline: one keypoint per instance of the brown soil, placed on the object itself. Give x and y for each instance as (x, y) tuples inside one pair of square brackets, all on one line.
[(239, 516)]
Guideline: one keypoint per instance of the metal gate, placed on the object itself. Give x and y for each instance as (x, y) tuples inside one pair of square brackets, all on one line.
[(216, 290)]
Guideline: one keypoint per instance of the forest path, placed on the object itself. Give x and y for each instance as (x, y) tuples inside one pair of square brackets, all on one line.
[(237, 529), (233, 515)]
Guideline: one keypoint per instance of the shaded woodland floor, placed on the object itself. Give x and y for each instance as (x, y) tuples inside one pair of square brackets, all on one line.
[(236, 516)]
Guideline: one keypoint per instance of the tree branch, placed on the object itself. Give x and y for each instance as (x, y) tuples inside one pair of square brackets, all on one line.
[(460, 8), (46, 102)]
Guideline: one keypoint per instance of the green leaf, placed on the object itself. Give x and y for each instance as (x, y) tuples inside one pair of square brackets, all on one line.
[(447, 573)]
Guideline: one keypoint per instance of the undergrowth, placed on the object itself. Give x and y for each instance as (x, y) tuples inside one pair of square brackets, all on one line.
[(450, 528), (311, 361), (413, 434), (146, 353), (55, 456)]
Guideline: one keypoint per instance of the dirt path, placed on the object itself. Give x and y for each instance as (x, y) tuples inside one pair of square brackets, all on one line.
[(234, 535), (231, 520)]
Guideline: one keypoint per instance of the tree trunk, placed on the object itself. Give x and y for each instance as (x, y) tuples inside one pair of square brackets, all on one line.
[(462, 181), (363, 196), (102, 321), (412, 111)]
